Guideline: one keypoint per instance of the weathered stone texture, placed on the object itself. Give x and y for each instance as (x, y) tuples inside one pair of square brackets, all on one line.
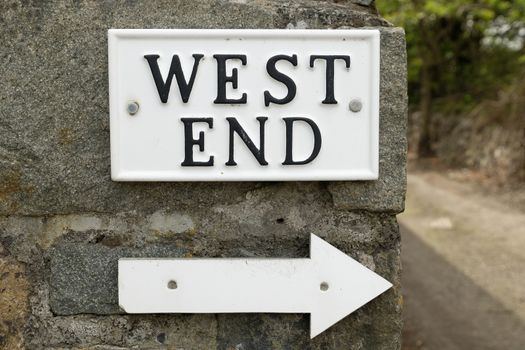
[(388, 193), (83, 266), (14, 303), (54, 120), (64, 223)]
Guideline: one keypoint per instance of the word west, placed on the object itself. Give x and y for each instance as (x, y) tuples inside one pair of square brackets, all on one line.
[(185, 85)]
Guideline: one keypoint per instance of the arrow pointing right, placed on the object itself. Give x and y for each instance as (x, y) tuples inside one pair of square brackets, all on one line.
[(351, 284), (329, 285)]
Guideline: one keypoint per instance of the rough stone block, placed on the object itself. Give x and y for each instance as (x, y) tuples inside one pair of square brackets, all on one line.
[(14, 303), (64, 223), (54, 134), (388, 192), (83, 277), (83, 281)]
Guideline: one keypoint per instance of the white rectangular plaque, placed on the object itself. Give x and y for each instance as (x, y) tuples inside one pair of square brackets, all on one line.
[(244, 105)]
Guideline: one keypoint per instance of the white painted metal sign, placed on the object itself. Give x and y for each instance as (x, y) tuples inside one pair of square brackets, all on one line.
[(235, 105), (329, 286)]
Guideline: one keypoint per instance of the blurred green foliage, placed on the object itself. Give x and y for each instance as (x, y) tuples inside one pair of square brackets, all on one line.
[(469, 47), (459, 52)]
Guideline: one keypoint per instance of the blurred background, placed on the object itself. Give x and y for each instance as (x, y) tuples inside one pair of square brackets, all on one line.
[(463, 231)]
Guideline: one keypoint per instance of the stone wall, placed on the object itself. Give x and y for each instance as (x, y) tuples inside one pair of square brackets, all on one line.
[(64, 223)]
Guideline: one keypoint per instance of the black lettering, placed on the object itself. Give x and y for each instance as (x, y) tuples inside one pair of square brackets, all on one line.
[(283, 78), (163, 87), (223, 78), (330, 99), (189, 141), (289, 141), (258, 153)]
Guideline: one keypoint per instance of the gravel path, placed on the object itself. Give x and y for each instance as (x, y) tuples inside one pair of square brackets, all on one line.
[(463, 254)]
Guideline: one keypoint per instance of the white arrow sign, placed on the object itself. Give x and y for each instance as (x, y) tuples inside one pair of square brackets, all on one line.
[(329, 285)]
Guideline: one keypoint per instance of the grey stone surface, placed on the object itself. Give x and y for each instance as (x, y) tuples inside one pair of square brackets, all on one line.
[(364, 2), (83, 277), (54, 130), (64, 223), (83, 264), (79, 279), (388, 193), (259, 331)]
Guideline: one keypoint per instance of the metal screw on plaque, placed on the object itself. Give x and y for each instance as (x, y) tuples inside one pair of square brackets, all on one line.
[(172, 284), (355, 105), (323, 286), (132, 108)]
